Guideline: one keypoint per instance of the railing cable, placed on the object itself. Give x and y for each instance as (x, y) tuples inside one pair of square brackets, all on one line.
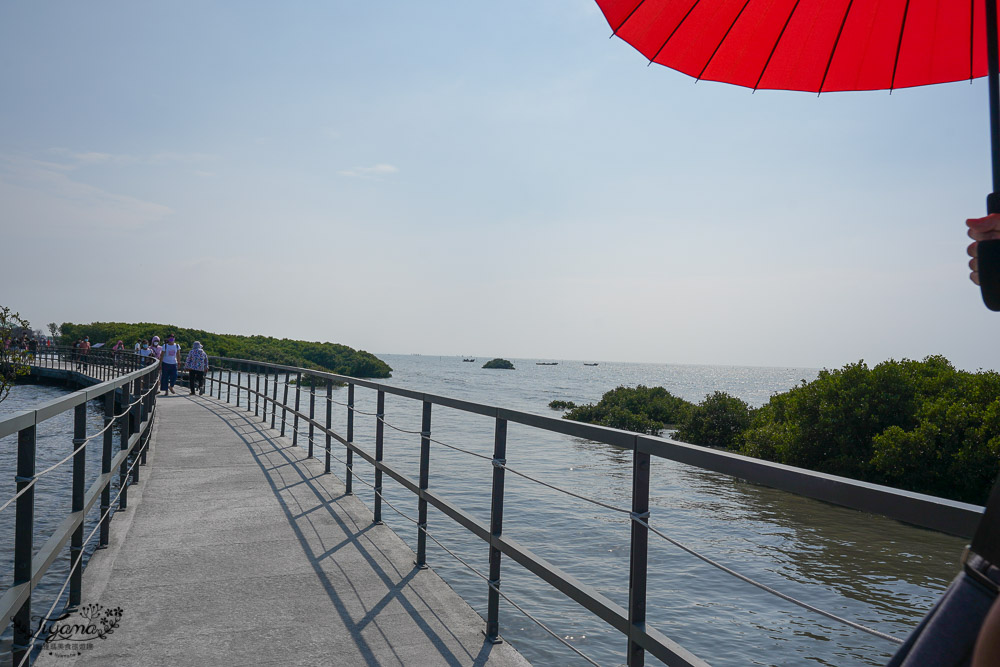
[(485, 578), (787, 598), (74, 452), (78, 561)]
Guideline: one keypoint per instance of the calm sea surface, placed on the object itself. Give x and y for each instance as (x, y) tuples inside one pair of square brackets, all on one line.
[(870, 570)]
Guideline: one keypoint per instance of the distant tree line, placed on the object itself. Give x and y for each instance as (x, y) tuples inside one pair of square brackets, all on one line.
[(329, 357), (917, 425)]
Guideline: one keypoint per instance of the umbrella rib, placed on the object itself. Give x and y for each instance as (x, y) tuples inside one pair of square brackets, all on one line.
[(674, 31), (836, 42), (776, 42), (899, 46), (717, 46), (625, 20)]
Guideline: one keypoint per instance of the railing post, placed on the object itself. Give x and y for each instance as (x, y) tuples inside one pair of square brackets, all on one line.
[(266, 378), (295, 417), (312, 413), (126, 431), (109, 438), (147, 408), (136, 428), (79, 479), (239, 383), (329, 423), (496, 530), (229, 388), (425, 464), (284, 404), (274, 398), (349, 477), (24, 528), (379, 435), (256, 402), (637, 554)]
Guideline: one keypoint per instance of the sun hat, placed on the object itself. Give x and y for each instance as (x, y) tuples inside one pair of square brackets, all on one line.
[(196, 345), (156, 339)]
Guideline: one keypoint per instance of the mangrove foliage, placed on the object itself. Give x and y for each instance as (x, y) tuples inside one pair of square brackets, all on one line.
[(329, 357), (917, 425)]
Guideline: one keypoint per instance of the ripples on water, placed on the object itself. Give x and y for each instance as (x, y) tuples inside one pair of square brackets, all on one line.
[(868, 569)]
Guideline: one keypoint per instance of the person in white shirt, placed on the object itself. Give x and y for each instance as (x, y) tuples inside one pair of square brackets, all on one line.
[(169, 356)]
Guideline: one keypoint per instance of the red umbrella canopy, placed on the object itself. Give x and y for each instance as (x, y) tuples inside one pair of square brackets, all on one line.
[(808, 45)]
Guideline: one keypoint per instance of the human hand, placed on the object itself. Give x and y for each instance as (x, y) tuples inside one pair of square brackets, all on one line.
[(981, 229)]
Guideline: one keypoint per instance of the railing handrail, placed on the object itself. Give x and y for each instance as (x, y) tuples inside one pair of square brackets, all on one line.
[(30, 566), (940, 514), (19, 420)]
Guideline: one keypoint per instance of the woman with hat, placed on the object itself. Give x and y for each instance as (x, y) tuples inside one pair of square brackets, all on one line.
[(196, 365)]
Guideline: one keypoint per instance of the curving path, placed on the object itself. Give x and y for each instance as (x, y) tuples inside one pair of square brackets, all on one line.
[(237, 550)]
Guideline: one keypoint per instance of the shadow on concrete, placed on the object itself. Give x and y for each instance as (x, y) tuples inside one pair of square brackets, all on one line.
[(254, 433)]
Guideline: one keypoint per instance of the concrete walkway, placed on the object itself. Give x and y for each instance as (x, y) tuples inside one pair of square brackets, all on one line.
[(237, 550)]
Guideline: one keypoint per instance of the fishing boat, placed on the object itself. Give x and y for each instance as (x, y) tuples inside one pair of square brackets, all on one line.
[(546, 363), (468, 359), (586, 364)]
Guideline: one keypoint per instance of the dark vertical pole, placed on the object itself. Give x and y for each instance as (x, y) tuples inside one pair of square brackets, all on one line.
[(229, 387), (496, 530), (637, 554), (126, 431), (109, 438), (349, 477), (284, 404), (79, 479), (329, 422), (989, 251), (295, 417), (136, 428), (312, 414), (267, 376), (274, 399), (143, 412), (425, 465), (256, 403), (24, 528), (379, 439), (239, 383)]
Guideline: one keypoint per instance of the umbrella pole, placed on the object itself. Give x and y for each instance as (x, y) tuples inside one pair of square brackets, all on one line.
[(989, 251)]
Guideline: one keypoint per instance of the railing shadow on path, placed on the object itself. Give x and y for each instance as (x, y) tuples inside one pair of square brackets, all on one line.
[(275, 455)]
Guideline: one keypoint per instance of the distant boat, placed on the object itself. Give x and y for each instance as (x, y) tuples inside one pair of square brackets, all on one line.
[(585, 364), (468, 359), (546, 363)]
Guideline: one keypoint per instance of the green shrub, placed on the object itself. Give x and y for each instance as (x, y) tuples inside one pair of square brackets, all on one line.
[(718, 421), (640, 409)]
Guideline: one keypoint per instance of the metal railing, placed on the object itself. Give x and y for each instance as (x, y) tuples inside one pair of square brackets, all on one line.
[(120, 377), (937, 514)]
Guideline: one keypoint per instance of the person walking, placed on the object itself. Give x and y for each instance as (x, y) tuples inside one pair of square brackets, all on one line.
[(84, 352), (119, 350), (169, 356), (196, 365)]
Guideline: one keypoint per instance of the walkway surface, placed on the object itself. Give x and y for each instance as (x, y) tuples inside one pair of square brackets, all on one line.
[(236, 550)]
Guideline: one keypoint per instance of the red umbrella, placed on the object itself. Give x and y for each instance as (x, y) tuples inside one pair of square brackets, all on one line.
[(824, 46)]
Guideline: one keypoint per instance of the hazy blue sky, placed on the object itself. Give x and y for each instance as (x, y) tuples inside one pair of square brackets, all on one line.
[(474, 178)]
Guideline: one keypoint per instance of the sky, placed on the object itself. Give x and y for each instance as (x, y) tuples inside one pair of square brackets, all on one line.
[(491, 179)]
